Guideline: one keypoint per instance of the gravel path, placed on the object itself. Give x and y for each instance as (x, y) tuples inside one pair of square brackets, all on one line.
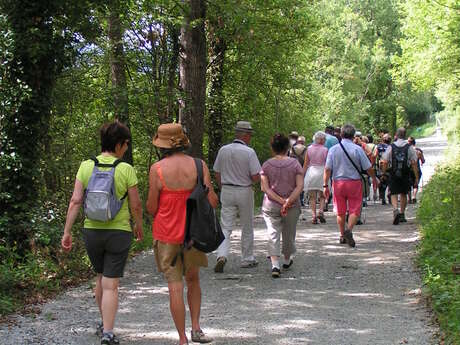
[(332, 295)]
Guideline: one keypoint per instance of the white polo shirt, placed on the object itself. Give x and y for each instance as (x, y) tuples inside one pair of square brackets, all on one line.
[(236, 163)]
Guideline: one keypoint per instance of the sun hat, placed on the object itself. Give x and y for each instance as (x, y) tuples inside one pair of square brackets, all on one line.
[(243, 126), (170, 136), (294, 134)]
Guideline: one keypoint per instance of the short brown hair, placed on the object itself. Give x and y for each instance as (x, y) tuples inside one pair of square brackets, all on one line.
[(113, 133)]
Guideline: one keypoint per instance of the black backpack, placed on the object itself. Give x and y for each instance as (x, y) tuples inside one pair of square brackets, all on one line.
[(399, 158), (202, 228)]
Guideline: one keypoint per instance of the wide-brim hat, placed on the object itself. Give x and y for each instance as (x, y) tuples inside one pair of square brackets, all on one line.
[(170, 136), (244, 126)]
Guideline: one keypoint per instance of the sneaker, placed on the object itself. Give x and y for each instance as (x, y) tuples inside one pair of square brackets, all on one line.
[(286, 266), (359, 222), (99, 329), (402, 218), (349, 238), (342, 240), (276, 272), (396, 217), (321, 218), (221, 261), (199, 337), (248, 263), (109, 339)]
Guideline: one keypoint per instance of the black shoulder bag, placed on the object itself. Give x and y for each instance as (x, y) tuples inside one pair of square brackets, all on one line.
[(202, 228), (360, 172)]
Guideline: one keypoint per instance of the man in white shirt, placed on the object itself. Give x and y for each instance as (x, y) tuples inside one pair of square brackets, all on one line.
[(236, 169)]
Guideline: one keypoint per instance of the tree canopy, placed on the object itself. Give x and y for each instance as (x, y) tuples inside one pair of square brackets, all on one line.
[(66, 67)]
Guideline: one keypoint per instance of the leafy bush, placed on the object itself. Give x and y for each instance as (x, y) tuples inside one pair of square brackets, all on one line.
[(439, 215)]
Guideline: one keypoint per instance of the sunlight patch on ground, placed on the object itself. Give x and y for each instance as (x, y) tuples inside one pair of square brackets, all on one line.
[(363, 294)]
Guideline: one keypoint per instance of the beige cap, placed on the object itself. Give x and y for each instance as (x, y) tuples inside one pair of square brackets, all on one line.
[(243, 126)]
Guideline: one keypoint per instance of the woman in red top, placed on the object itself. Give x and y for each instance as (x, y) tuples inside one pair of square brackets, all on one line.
[(171, 181)]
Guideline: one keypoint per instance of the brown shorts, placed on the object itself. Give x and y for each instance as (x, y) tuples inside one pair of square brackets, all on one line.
[(165, 254)]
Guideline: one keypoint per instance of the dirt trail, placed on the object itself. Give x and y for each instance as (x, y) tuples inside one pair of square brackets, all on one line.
[(333, 294)]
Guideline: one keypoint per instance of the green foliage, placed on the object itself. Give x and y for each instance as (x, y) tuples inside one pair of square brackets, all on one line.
[(431, 49), (439, 215), (286, 65), (426, 130)]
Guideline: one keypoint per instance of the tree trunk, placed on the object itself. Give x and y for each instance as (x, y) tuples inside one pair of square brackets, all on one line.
[(172, 111), (37, 58), (216, 119), (193, 74), (118, 70)]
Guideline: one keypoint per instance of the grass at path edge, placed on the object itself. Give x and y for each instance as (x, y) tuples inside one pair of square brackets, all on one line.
[(439, 250)]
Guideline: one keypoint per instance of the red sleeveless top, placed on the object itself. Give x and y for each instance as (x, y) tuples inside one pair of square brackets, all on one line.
[(169, 222)]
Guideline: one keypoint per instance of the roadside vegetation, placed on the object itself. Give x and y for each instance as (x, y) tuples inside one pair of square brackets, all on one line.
[(46, 270), (423, 131), (439, 250)]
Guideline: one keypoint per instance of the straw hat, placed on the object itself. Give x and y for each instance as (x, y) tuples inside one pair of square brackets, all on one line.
[(170, 136)]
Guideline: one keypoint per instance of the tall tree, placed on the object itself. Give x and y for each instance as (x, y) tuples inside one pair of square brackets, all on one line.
[(40, 31), (193, 73), (216, 118), (115, 31)]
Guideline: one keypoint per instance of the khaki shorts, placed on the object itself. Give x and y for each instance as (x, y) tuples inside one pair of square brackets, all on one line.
[(165, 254)]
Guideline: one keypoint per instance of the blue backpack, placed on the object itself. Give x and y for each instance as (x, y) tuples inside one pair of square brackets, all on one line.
[(101, 202)]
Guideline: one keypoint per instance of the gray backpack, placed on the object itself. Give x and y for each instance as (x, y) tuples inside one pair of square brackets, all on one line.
[(101, 201)]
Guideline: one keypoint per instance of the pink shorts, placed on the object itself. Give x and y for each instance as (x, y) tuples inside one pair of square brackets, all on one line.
[(350, 191)]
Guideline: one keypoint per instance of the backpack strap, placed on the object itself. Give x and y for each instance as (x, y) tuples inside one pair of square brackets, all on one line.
[(113, 165)]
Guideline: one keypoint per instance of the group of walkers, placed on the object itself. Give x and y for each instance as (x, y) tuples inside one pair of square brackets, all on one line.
[(331, 165)]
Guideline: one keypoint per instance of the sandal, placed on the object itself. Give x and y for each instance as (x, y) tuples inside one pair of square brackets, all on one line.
[(321, 218), (314, 221), (198, 336)]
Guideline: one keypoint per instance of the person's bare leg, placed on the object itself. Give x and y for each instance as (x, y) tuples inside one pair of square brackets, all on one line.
[(322, 202), (394, 201), (177, 307), (109, 302), (352, 220), (98, 293), (403, 202), (194, 296), (313, 204), (341, 224)]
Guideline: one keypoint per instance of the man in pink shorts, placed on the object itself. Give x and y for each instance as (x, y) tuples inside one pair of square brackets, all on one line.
[(343, 162)]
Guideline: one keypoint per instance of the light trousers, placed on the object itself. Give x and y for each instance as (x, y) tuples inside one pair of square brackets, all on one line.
[(285, 227), (237, 201)]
